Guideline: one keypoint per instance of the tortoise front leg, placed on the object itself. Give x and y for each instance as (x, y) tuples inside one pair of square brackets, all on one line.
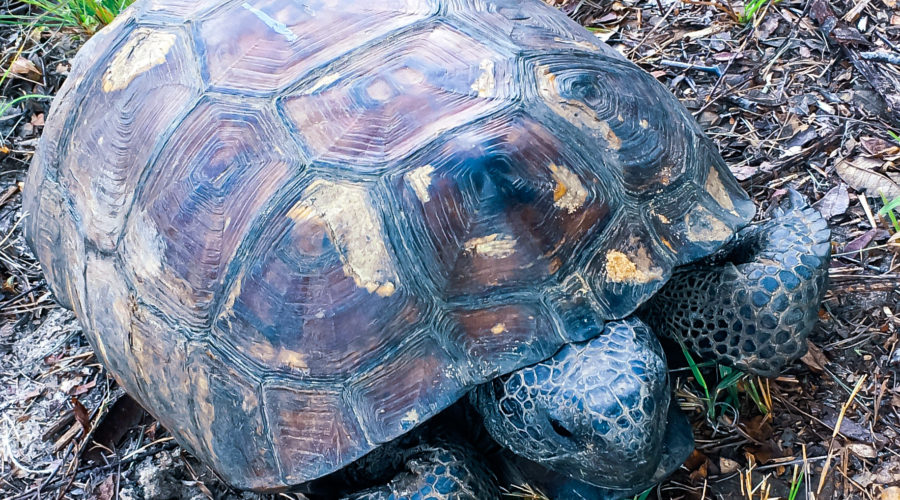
[(752, 304)]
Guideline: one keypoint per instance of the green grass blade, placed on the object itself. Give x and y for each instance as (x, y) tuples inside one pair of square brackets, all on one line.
[(795, 487), (5, 107), (725, 374), (710, 404), (888, 209), (753, 392)]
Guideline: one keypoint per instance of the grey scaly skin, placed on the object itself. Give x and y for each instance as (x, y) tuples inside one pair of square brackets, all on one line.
[(437, 471), (519, 474), (437, 461), (598, 411), (752, 304)]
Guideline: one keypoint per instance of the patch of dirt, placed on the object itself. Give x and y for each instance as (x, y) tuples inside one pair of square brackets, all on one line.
[(802, 96)]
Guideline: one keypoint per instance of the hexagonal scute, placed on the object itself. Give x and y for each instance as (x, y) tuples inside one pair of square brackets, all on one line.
[(108, 309), (503, 205), (50, 231), (410, 385), (139, 349), (260, 46), (313, 430), (692, 225), (628, 266), (320, 293), (502, 338), (120, 124), (646, 147), (228, 412), (220, 168), (527, 25), (53, 236), (384, 103), (159, 352)]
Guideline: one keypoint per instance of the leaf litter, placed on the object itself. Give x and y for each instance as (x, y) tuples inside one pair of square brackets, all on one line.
[(794, 93)]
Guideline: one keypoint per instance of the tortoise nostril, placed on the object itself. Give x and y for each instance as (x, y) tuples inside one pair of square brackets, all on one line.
[(559, 428)]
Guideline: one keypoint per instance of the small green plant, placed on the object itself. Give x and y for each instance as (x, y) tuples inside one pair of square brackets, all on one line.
[(889, 208), (750, 10), (86, 15), (894, 135), (796, 481), (698, 376), (644, 495), (727, 391)]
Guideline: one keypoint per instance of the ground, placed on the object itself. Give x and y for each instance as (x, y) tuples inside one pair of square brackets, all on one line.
[(796, 94)]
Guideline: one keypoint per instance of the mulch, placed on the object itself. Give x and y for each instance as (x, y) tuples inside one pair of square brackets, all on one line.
[(804, 94)]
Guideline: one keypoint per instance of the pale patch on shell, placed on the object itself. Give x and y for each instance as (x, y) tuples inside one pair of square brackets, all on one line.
[(228, 305), (717, 190), (578, 43), (380, 90), (146, 49), (498, 328), (620, 268), (409, 76), (644, 123), (280, 357), (276, 25), (204, 407), (570, 193), (495, 245), (145, 246), (355, 228), (486, 82), (702, 225), (420, 180), (410, 419), (323, 82), (576, 112)]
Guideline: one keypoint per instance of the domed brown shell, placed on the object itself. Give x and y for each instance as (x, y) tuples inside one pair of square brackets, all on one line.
[(293, 230)]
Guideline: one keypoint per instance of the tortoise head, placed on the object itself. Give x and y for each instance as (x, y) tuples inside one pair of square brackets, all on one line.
[(596, 411)]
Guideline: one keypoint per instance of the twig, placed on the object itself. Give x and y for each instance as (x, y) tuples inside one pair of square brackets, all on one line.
[(837, 429), (707, 69), (11, 301), (881, 56)]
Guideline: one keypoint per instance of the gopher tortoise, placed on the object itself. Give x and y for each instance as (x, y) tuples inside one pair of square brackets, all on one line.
[(297, 230)]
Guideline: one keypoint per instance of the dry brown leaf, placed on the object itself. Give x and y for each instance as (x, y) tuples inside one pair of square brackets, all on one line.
[(107, 489), (861, 175), (727, 465), (814, 358), (878, 146), (24, 67), (702, 472), (862, 450), (834, 203), (81, 414)]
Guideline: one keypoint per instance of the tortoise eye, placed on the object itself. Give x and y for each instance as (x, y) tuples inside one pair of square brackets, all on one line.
[(559, 428)]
